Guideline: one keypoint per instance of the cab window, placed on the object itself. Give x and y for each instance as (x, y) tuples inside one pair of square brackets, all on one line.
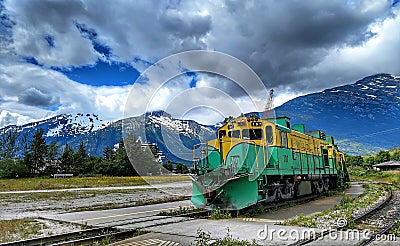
[(221, 133), (269, 134), (252, 134), (325, 157), (234, 134), (284, 139)]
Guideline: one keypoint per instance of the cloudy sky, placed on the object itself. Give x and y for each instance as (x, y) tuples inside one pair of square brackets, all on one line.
[(83, 56)]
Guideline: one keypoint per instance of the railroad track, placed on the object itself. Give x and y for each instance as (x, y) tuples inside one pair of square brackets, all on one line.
[(382, 210), (383, 220), (118, 230), (83, 237)]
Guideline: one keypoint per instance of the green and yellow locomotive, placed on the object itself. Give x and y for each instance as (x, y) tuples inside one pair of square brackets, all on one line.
[(255, 160)]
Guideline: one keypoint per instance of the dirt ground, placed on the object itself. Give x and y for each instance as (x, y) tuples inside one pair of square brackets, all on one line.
[(33, 204), (25, 208)]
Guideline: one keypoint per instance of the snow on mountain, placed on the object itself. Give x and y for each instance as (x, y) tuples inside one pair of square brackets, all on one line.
[(363, 116), (188, 128), (97, 135), (64, 125)]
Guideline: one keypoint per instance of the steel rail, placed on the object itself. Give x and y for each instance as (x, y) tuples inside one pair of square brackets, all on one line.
[(337, 228)]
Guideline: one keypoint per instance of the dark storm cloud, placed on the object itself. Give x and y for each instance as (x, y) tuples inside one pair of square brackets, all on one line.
[(181, 26), (290, 44), (280, 39), (54, 13), (35, 97)]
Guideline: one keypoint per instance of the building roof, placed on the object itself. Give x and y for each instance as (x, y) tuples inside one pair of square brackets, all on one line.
[(388, 164)]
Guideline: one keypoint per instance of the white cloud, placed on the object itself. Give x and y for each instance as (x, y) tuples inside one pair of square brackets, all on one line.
[(11, 118), (16, 79), (41, 31), (295, 47), (380, 54)]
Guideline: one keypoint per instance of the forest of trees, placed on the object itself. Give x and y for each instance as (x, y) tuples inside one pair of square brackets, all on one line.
[(368, 161), (45, 159), (42, 159)]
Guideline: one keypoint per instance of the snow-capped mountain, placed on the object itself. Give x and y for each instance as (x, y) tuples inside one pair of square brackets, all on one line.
[(363, 117), (159, 127), (65, 128), (175, 137)]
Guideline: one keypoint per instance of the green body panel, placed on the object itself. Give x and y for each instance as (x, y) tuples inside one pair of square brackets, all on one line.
[(285, 161), (315, 133), (197, 195), (253, 159), (329, 139), (214, 157), (299, 127), (282, 121), (246, 158)]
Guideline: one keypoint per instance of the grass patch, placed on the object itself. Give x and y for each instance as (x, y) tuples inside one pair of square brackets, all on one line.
[(217, 214), (360, 174), (204, 238), (345, 209), (83, 182), (395, 230), (180, 211), (19, 229)]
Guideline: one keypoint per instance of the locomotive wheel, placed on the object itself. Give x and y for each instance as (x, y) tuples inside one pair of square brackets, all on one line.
[(319, 187), (288, 191), (326, 184)]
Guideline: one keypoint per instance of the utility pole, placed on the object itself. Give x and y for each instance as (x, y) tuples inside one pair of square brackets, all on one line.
[(269, 104)]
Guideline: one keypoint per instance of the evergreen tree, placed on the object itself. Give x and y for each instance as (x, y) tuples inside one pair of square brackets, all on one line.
[(142, 159), (52, 159), (67, 160), (123, 162), (108, 154), (93, 165), (8, 144), (12, 168), (168, 165), (181, 168), (52, 153), (80, 157), (35, 157)]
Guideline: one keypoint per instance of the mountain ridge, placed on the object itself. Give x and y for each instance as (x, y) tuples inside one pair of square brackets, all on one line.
[(359, 115)]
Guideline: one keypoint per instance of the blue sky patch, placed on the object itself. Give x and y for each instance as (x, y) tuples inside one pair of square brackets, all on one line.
[(102, 73), (194, 80), (50, 40), (32, 60), (53, 108), (91, 34)]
